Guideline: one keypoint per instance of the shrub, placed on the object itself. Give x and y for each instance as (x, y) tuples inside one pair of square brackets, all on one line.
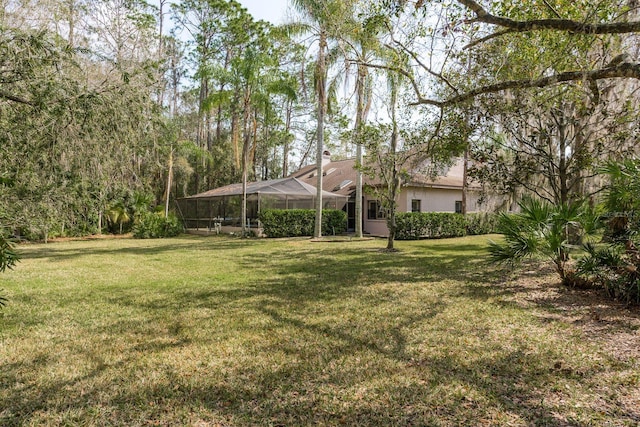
[(481, 223), (300, 222), (545, 230), (417, 225), (615, 267), (153, 225), (333, 222)]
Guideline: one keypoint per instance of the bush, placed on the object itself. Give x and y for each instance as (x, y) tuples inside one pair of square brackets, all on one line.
[(153, 225), (614, 263), (333, 222), (615, 267), (481, 223), (300, 222), (417, 225)]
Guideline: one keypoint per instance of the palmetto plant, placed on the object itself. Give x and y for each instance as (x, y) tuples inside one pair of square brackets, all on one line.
[(118, 214), (8, 259), (616, 265), (544, 230), (8, 255), (622, 197)]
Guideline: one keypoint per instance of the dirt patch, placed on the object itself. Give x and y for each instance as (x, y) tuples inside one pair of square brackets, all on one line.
[(598, 317)]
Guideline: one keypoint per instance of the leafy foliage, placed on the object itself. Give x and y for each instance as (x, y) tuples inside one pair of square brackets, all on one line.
[(481, 223), (8, 259), (300, 222), (8, 255), (154, 225), (71, 143), (622, 203), (417, 225), (542, 229), (615, 265), (435, 225)]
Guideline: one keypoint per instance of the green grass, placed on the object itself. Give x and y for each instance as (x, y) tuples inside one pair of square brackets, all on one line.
[(217, 331)]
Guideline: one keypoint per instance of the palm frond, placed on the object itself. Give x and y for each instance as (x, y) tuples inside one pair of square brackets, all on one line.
[(515, 249), (332, 96), (535, 212), (294, 29), (8, 256)]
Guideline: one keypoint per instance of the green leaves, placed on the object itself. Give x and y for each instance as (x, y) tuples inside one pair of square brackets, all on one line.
[(299, 222), (542, 229), (8, 255)]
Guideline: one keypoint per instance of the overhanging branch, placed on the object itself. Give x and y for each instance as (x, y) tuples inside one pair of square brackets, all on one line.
[(15, 98), (400, 71), (623, 70), (567, 25)]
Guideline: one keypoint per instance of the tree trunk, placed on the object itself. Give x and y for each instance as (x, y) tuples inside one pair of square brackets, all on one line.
[(464, 180), (235, 130), (285, 146), (394, 185), (169, 176), (245, 158), (359, 122), (321, 92)]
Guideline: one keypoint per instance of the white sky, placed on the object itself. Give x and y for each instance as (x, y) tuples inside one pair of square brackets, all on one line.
[(273, 11)]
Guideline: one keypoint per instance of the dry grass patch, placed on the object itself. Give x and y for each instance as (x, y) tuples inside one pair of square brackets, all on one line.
[(209, 331)]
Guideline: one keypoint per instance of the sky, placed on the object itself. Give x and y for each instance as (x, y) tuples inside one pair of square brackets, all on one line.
[(273, 11)]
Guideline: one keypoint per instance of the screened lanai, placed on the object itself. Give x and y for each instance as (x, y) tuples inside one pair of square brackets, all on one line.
[(222, 206)]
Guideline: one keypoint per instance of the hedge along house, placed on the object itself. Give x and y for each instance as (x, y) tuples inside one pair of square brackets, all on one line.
[(220, 209), (421, 193)]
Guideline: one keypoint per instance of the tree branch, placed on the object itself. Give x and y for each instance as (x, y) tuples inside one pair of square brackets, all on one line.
[(14, 98), (420, 63), (405, 73), (624, 70), (487, 38), (550, 24)]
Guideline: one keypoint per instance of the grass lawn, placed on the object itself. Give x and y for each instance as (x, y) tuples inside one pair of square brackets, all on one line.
[(214, 331)]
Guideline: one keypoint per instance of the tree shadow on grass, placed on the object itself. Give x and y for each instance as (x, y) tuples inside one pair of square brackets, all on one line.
[(62, 252), (405, 388), (310, 365), (24, 400)]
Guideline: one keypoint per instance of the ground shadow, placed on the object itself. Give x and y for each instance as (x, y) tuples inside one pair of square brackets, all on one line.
[(314, 387)]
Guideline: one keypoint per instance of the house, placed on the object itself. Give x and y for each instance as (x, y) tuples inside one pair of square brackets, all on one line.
[(219, 209), (421, 193)]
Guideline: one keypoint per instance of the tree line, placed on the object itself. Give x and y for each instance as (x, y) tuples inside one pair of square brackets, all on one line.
[(107, 103)]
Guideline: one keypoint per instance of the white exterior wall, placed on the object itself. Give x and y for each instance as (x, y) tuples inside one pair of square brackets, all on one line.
[(431, 200), (436, 199)]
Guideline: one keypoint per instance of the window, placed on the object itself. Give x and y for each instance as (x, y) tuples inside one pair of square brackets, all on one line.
[(375, 210), (459, 206), (416, 205), (342, 185)]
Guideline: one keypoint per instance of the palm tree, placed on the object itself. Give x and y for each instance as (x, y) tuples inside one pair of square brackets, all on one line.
[(118, 214), (322, 17), (363, 43)]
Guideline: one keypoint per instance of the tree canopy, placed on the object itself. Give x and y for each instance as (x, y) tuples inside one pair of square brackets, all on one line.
[(105, 101)]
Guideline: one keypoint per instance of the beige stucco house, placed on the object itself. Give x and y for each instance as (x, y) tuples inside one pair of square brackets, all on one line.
[(219, 209), (420, 194)]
